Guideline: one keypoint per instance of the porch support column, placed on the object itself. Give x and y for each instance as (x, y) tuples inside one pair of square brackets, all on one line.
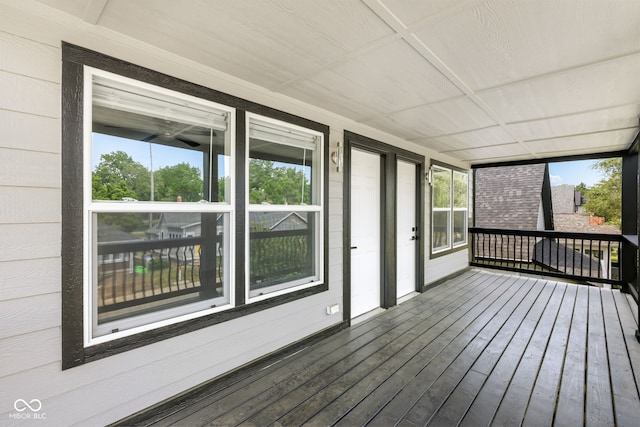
[(630, 259)]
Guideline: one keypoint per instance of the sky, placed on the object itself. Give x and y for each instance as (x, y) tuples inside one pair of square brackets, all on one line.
[(574, 173), (139, 151)]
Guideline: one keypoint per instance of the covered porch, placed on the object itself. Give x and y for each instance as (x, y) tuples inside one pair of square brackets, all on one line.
[(482, 348)]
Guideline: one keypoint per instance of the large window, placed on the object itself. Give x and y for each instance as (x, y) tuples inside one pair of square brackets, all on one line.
[(182, 207), (158, 208), (449, 208), (284, 188)]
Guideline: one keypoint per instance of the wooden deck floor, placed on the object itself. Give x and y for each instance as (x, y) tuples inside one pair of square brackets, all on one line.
[(481, 349)]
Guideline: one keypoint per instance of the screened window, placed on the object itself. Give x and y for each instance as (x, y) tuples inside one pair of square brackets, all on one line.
[(158, 208), (284, 189), (449, 208)]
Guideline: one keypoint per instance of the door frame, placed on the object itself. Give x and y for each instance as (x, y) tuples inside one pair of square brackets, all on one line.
[(389, 155)]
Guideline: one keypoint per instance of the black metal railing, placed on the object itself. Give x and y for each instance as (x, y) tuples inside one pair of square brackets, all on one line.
[(278, 256), (583, 257), (145, 271), (139, 272)]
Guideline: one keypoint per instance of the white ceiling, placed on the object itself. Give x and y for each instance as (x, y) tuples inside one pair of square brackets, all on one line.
[(480, 80)]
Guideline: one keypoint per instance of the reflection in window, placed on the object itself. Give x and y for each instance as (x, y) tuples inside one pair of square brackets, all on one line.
[(179, 262), (449, 208), (460, 202), (284, 170), (150, 147), (441, 211), (159, 209), (281, 249)]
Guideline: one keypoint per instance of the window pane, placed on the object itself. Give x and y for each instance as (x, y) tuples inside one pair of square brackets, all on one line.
[(283, 166), (150, 146), (459, 227), (153, 266), (441, 188), (440, 230), (460, 196), (282, 250)]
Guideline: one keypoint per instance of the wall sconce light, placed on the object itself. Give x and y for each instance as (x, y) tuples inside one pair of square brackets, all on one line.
[(337, 157)]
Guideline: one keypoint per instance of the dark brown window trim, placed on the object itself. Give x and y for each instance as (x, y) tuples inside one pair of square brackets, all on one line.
[(74, 353)]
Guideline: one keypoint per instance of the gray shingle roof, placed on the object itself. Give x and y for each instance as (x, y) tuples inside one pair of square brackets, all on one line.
[(580, 223), (564, 199), (509, 196)]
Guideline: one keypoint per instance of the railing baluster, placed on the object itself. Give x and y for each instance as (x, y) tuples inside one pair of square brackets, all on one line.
[(124, 283), (558, 252), (566, 245), (601, 261), (581, 258), (193, 265), (133, 280)]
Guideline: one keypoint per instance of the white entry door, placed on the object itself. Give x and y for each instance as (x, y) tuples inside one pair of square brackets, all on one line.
[(365, 231), (406, 232)]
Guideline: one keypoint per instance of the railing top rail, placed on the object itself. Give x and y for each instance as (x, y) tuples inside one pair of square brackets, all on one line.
[(144, 245), (279, 233), (548, 233)]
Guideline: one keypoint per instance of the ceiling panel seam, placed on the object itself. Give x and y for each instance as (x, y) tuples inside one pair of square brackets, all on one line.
[(412, 107), (339, 59), (93, 11), (559, 72), (571, 135), (577, 113), (423, 50)]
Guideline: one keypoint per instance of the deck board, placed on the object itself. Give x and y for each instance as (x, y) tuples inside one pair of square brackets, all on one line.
[(542, 402), (480, 349), (516, 399), (599, 405), (570, 406), (622, 380)]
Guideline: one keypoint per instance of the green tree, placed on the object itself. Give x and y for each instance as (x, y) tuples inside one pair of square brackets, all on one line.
[(118, 176), (441, 188), (582, 188), (277, 185), (605, 198), (178, 180)]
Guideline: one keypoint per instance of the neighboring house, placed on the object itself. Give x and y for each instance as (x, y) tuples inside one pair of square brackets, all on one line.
[(122, 260), (566, 199), (278, 221), (605, 256), (521, 197), (514, 197), (172, 225)]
